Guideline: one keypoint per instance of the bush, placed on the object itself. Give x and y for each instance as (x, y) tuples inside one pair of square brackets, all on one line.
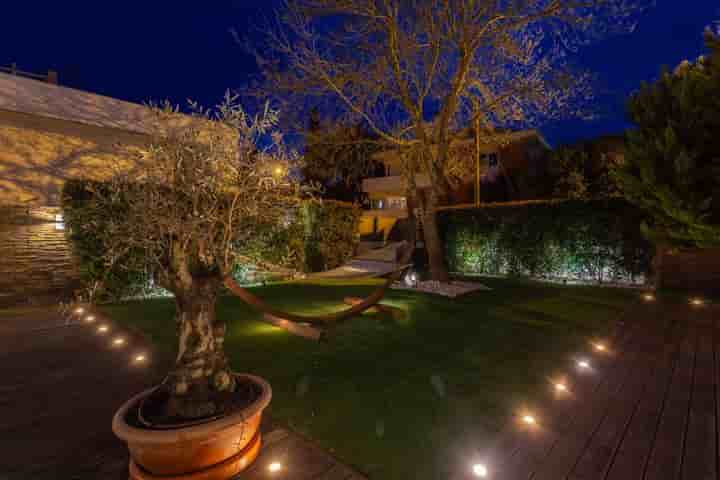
[(319, 235), (570, 240), (84, 232)]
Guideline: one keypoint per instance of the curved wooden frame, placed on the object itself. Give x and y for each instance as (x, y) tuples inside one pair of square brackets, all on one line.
[(367, 303)]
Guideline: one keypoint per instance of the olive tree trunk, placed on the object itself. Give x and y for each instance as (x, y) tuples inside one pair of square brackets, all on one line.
[(201, 369)]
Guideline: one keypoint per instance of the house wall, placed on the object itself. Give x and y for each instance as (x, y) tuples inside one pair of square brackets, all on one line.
[(36, 263), (37, 156)]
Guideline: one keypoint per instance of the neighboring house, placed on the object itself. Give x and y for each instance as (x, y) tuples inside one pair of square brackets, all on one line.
[(49, 134), (505, 166)]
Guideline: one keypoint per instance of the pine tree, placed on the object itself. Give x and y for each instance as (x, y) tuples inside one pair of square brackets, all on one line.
[(672, 164)]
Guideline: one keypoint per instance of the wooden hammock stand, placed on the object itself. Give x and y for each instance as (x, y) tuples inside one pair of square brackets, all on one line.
[(312, 326)]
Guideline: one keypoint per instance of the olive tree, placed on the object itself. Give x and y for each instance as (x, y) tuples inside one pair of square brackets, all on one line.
[(419, 73), (204, 187)]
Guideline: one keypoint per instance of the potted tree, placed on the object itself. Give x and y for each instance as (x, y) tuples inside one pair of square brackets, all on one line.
[(205, 186)]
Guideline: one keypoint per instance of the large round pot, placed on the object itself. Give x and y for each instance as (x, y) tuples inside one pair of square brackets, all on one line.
[(215, 450)]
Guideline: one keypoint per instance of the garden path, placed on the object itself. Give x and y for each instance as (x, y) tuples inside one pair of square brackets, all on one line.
[(647, 408), (60, 384)]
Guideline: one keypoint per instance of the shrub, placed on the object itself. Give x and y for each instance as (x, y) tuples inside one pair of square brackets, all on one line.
[(570, 240), (318, 235), (88, 248)]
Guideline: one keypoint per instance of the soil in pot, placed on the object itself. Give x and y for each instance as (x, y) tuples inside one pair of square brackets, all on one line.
[(152, 411)]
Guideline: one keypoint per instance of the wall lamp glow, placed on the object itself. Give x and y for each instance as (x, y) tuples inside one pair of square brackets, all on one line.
[(583, 364), (139, 358), (119, 342), (529, 420), (697, 301), (79, 310), (275, 467), (648, 297), (90, 318), (103, 329), (480, 470)]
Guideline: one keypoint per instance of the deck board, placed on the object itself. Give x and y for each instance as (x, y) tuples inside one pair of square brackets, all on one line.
[(651, 413)]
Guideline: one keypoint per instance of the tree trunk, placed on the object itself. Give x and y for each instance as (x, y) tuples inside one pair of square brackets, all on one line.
[(433, 242), (201, 369), (657, 265)]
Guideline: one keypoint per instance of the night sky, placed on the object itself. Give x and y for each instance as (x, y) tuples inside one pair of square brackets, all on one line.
[(157, 49)]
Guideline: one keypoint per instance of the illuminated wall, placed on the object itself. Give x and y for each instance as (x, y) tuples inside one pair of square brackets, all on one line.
[(35, 258)]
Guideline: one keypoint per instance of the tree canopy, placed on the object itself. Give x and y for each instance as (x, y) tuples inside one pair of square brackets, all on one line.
[(672, 167), (419, 73)]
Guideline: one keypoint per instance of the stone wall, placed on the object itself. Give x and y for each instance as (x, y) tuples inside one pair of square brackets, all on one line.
[(36, 264)]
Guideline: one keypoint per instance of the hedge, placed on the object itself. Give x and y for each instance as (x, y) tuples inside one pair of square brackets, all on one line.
[(319, 235), (571, 240), (87, 247)]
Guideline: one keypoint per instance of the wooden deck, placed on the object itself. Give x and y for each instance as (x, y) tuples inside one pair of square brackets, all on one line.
[(647, 408), (60, 385)]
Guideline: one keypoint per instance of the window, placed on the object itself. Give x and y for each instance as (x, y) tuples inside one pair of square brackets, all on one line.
[(490, 159), (397, 202)]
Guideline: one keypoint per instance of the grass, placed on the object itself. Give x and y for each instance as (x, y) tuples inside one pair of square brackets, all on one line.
[(409, 398)]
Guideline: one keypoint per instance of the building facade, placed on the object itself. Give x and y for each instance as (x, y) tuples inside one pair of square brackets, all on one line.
[(49, 134), (504, 167)]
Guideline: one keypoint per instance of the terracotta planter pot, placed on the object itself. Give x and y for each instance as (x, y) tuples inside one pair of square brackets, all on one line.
[(216, 450)]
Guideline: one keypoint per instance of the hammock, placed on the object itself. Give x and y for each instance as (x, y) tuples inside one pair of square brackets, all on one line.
[(324, 320)]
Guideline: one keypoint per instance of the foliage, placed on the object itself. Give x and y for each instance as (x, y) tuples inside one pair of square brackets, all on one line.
[(672, 168), (207, 183), (571, 182), (418, 73), (86, 228), (319, 235), (331, 233), (585, 169), (338, 157), (569, 240)]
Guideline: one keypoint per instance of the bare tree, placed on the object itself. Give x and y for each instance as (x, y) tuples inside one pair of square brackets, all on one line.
[(418, 73), (205, 187)]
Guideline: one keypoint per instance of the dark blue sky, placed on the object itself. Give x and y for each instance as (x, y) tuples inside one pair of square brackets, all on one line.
[(158, 49)]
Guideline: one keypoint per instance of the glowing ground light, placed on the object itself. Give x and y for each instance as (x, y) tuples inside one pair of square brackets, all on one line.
[(528, 419), (275, 467), (600, 347), (90, 318), (278, 171), (119, 341), (79, 310), (139, 358), (560, 387), (584, 364), (696, 301), (102, 328), (648, 297), (480, 470)]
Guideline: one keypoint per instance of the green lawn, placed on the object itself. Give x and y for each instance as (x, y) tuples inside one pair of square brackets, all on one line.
[(404, 399)]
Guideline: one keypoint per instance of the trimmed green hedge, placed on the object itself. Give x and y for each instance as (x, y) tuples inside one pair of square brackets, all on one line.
[(596, 241), (319, 235), (87, 247)]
